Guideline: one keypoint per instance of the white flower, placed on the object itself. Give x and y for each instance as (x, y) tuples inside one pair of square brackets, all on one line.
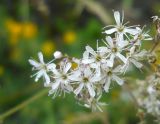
[(120, 28), (90, 56), (61, 81), (111, 74), (115, 47), (85, 80), (94, 104), (141, 35), (134, 57), (94, 58), (42, 68)]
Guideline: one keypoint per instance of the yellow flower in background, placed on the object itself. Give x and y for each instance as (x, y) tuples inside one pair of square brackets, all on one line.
[(48, 47), (13, 40), (29, 30), (1, 70), (15, 54), (69, 37), (14, 29)]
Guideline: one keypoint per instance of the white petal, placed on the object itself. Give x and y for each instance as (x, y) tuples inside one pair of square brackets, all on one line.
[(107, 84), (110, 62), (47, 79), (103, 49), (55, 71), (131, 31), (121, 57), (90, 50), (87, 72), (110, 31), (34, 63), (55, 85), (86, 55), (75, 76), (78, 90), (117, 17), (109, 41), (141, 54), (40, 55), (95, 65), (51, 66), (122, 43), (88, 61), (149, 38), (136, 63), (67, 67), (69, 88), (117, 79), (90, 89), (95, 78), (117, 69), (39, 74)]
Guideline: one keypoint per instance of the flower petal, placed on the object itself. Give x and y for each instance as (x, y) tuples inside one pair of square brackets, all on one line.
[(90, 50), (86, 55), (110, 62), (117, 79), (34, 63), (55, 85), (67, 67), (131, 31), (78, 90), (109, 41), (47, 79), (136, 63), (39, 74), (87, 72), (117, 17), (110, 31), (88, 61), (107, 84), (40, 55), (90, 89), (121, 57), (51, 66)]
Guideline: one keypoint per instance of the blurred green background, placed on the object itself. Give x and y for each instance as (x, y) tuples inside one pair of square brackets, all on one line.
[(29, 26)]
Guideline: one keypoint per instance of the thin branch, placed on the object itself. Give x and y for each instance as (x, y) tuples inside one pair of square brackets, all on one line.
[(97, 9), (22, 105)]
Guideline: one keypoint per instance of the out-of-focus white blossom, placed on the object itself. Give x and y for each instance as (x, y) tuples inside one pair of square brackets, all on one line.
[(42, 68)]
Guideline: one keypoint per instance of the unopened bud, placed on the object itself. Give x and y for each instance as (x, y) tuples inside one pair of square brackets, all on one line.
[(57, 55)]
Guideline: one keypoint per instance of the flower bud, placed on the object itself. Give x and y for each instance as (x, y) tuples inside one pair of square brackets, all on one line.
[(57, 55)]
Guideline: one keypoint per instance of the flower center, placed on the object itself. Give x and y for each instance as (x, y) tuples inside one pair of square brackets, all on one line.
[(120, 29), (43, 66), (98, 58), (64, 77), (140, 37), (109, 73), (114, 50), (85, 79)]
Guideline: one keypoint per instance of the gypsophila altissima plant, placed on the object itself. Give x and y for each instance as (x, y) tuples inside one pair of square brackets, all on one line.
[(89, 77)]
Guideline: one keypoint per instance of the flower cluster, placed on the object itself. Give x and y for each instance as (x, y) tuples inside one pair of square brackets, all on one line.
[(91, 76), (147, 95)]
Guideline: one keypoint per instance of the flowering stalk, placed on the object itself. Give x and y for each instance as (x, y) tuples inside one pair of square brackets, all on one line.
[(92, 75)]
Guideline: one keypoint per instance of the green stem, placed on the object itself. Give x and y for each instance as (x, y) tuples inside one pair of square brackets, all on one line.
[(22, 105)]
